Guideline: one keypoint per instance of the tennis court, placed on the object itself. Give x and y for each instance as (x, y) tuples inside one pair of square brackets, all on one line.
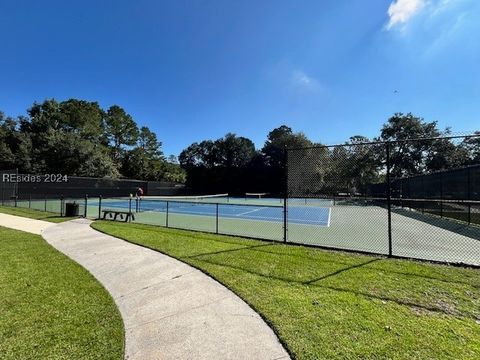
[(358, 226), (228, 208)]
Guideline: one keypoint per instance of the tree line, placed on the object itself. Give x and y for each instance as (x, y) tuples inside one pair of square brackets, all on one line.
[(79, 138), (232, 164)]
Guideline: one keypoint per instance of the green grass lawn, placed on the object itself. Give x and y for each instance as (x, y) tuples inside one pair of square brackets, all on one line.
[(33, 214), (334, 305), (50, 307)]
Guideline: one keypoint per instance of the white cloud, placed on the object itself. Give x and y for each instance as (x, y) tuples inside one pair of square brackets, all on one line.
[(401, 11), (303, 81)]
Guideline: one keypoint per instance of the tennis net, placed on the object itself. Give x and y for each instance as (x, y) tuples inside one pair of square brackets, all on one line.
[(194, 199), (255, 195)]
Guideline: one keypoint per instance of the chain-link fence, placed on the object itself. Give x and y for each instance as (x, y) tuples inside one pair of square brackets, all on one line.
[(411, 198)]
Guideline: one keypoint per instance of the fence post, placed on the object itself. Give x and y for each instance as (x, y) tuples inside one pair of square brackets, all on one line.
[(441, 194), (16, 200), (15, 186), (61, 205), (285, 195), (137, 200), (469, 214), (216, 219), (100, 207), (469, 196), (30, 201), (389, 201), (86, 204), (166, 219), (45, 205), (129, 207)]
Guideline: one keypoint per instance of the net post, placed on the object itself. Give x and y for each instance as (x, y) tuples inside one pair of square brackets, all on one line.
[(216, 219), (100, 207), (389, 201), (166, 218), (86, 204), (137, 200), (285, 195)]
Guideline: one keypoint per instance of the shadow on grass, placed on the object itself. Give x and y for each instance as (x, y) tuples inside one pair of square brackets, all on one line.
[(193, 234), (226, 251), (273, 249), (340, 271), (343, 290)]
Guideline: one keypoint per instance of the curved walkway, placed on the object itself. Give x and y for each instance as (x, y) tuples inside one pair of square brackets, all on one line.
[(32, 226), (170, 310)]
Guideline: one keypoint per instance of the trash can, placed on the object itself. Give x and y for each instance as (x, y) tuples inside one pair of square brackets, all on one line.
[(71, 209)]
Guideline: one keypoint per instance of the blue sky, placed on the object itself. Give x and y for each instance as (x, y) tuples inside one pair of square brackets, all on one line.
[(197, 69)]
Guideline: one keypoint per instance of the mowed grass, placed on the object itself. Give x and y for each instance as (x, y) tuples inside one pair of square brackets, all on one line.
[(50, 307), (335, 305), (33, 214)]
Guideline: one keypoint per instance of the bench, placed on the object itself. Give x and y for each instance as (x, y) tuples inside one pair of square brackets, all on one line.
[(115, 213)]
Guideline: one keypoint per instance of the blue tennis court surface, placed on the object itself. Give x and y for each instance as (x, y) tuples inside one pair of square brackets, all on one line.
[(319, 216)]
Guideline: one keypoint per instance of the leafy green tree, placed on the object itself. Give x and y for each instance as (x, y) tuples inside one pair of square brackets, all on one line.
[(234, 151), (409, 157), (173, 172), (278, 140), (77, 137), (145, 161), (443, 154), (121, 130), (363, 164), (471, 147), (149, 144), (229, 151), (203, 154), (85, 118), (66, 138), (7, 134), (308, 171)]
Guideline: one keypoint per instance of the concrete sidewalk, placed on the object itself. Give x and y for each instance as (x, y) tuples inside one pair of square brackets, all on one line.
[(24, 224), (170, 310)]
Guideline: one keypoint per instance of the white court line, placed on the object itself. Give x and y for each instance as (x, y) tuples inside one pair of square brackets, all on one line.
[(248, 212)]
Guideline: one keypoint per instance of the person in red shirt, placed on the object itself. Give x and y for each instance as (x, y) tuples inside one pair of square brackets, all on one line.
[(139, 192)]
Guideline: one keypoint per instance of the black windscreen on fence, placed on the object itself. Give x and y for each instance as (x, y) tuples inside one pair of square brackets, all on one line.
[(8, 188), (57, 185)]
